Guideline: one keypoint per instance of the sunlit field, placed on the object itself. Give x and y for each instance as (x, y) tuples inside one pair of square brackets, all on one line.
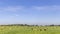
[(29, 30)]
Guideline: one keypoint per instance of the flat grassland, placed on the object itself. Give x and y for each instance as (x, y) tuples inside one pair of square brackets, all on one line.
[(29, 30)]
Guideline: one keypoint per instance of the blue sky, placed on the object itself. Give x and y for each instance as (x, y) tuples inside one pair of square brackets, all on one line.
[(29, 12)]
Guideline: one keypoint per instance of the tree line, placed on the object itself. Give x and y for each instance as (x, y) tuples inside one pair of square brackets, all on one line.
[(27, 25)]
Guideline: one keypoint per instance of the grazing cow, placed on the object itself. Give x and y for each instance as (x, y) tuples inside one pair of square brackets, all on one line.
[(45, 29), (40, 29), (31, 28)]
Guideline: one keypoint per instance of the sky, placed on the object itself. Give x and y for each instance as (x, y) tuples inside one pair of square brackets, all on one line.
[(30, 12)]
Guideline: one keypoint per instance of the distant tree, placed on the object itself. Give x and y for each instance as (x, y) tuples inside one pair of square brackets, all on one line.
[(52, 25), (58, 25), (25, 25), (36, 25), (21, 24), (32, 25)]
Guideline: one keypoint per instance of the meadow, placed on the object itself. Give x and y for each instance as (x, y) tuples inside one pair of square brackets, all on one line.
[(29, 30)]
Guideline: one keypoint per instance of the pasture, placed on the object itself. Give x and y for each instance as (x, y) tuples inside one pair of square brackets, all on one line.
[(29, 30)]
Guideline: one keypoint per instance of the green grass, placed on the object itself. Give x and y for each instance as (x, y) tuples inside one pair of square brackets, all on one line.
[(28, 30)]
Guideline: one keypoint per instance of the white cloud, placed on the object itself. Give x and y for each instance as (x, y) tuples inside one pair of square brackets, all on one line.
[(17, 15), (47, 8), (12, 8), (37, 8), (14, 15)]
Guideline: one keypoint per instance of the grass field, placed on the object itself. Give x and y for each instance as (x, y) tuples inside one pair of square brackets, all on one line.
[(29, 30)]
